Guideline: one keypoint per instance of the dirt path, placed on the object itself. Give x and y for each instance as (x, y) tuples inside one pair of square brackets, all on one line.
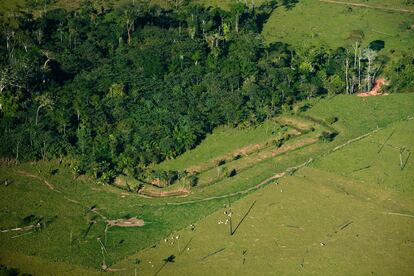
[(367, 6), (24, 173), (52, 188)]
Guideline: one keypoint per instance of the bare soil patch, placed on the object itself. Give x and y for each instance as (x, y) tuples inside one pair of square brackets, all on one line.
[(376, 90), (152, 193), (131, 222)]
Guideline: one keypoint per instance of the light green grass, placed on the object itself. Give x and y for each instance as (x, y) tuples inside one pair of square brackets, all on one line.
[(315, 23), (376, 163), (357, 115), (396, 4), (26, 196), (294, 227), (221, 142)]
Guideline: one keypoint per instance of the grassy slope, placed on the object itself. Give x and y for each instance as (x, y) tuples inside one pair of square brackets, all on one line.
[(295, 227), (359, 115), (222, 141), (396, 4), (313, 22), (375, 166), (26, 196), (356, 116), (289, 221)]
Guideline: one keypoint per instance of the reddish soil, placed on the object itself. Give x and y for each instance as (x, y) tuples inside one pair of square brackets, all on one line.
[(376, 90)]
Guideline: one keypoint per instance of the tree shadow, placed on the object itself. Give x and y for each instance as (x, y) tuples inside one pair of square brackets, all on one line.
[(264, 11), (169, 259), (244, 217), (289, 4)]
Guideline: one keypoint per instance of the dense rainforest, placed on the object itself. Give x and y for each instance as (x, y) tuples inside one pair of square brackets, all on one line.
[(118, 87)]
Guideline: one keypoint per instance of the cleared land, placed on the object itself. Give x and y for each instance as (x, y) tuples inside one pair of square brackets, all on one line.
[(339, 227), (70, 229), (320, 23)]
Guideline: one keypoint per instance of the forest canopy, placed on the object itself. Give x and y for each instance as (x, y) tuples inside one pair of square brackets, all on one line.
[(120, 87)]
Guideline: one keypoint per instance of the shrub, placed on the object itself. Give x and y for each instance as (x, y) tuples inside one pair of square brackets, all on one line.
[(328, 136), (237, 157), (193, 180), (221, 162), (78, 170), (331, 120), (278, 142), (301, 107), (232, 173), (377, 45)]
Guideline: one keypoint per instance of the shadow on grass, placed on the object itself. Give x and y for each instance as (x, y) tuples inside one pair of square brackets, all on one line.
[(289, 4), (232, 232)]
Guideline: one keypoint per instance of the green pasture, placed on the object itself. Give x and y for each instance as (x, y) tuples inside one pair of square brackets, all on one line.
[(70, 243), (222, 142), (314, 222), (376, 160), (313, 22)]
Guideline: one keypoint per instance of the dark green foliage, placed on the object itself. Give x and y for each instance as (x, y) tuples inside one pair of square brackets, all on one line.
[(7, 271), (119, 89), (377, 45), (193, 180), (328, 136), (237, 157), (165, 178), (31, 219), (232, 173), (169, 259), (278, 142)]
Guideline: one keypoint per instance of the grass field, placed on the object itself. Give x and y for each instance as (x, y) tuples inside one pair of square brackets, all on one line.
[(223, 141), (317, 23), (376, 160), (71, 234), (314, 222)]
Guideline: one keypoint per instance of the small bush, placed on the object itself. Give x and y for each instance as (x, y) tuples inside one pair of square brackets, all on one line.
[(78, 170), (7, 271), (232, 173), (278, 142), (221, 162), (328, 136), (193, 180), (377, 45), (237, 157), (301, 107), (331, 120)]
